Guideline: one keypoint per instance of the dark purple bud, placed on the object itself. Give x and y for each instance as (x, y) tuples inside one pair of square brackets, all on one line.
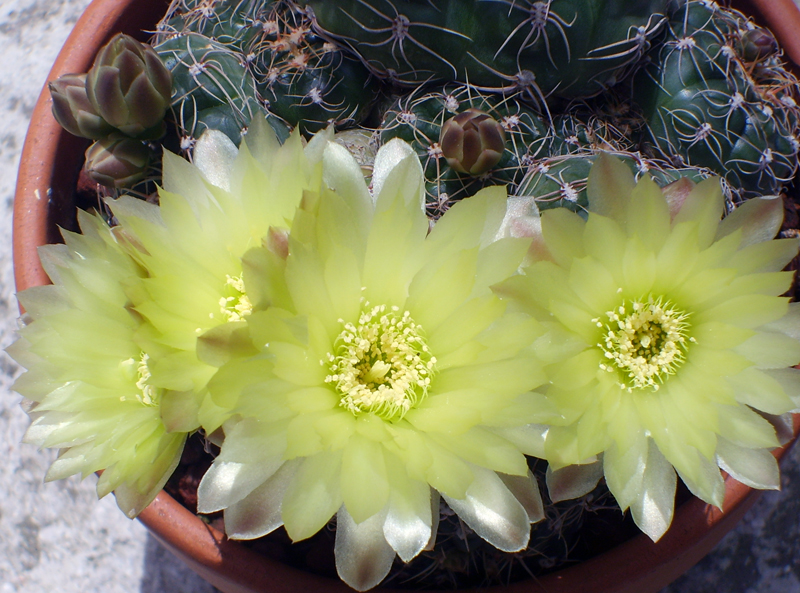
[(117, 162), (73, 110), (130, 87), (472, 142), (757, 45)]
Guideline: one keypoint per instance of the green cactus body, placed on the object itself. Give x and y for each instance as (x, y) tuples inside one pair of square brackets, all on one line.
[(234, 58), (419, 121), (706, 105), (211, 88), (304, 79), (568, 48), (234, 23), (585, 127)]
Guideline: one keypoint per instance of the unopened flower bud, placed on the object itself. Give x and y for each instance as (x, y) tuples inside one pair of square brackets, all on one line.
[(472, 142), (130, 87), (758, 44), (73, 110), (117, 161)]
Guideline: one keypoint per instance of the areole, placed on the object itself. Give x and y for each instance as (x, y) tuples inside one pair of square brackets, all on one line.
[(51, 160)]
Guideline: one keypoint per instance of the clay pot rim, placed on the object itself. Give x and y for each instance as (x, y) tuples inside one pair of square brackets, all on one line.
[(232, 566)]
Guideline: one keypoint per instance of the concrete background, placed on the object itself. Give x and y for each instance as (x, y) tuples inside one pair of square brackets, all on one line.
[(58, 537)]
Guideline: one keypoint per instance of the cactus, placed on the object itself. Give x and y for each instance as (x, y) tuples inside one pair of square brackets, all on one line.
[(304, 79), (126, 92), (236, 58), (472, 142), (568, 48), (212, 88), (716, 95)]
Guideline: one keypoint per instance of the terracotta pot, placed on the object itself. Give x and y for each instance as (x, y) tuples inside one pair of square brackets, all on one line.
[(51, 160)]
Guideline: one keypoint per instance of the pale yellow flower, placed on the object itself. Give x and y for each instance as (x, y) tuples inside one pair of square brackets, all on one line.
[(88, 377), (387, 373), (672, 338), (210, 213)]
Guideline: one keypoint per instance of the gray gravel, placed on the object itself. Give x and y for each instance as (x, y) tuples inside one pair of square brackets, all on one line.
[(58, 537)]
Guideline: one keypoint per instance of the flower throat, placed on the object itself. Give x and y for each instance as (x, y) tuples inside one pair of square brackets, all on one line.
[(645, 340), (382, 364)]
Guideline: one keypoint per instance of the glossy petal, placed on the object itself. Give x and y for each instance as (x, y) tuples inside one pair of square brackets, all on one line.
[(493, 512), (573, 481), (756, 468), (363, 556)]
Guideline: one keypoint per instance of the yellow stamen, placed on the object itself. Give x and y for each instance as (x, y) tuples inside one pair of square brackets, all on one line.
[(147, 394), (236, 305)]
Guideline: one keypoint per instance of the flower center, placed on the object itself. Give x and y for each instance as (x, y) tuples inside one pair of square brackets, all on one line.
[(646, 340), (382, 364), (234, 304)]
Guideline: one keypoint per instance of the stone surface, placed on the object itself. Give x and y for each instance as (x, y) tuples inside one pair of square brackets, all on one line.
[(55, 536), (58, 537)]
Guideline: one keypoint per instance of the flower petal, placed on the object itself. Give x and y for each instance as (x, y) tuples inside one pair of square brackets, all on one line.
[(604, 240), (573, 481), (759, 219), (313, 495), (441, 287), (593, 284), (447, 472), (648, 215), (364, 483), (769, 256), (700, 475), (789, 380), (363, 556), (397, 163), (789, 324), (486, 449), (526, 490), (768, 350), (624, 469), (704, 204), (259, 513), (214, 155), (261, 140), (743, 427), (464, 324), (756, 468), (252, 452), (394, 252), (638, 269), (609, 186), (407, 528), (652, 510), (530, 438), (748, 311), (560, 228), (493, 512), (342, 174)]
